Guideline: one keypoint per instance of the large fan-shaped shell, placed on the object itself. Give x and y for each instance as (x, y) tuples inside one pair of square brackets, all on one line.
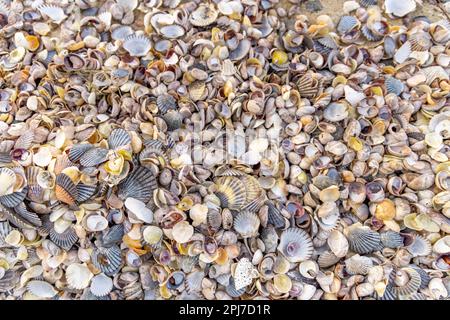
[(362, 240), (107, 260), (346, 24), (246, 224), (411, 286), (137, 45), (139, 185), (231, 192), (327, 259), (77, 151), (65, 190), (274, 216), (295, 245), (85, 192), (9, 280), (419, 246), (14, 199), (118, 138)]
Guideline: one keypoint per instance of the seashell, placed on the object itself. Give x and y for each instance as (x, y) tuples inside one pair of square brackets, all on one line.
[(243, 274), (94, 157), (85, 192), (9, 280), (175, 280), (41, 289), (107, 260), (338, 243), (140, 185), (182, 232), (347, 24), (434, 72), (231, 192), (14, 199), (8, 178), (335, 112), (231, 290), (391, 239), (166, 102), (101, 285), (118, 138), (295, 245), (419, 246), (65, 239), (399, 9), (246, 224), (407, 281), (137, 45), (362, 240), (403, 52), (394, 86), (172, 31), (358, 265), (78, 276), (65, 190), (327, 259), (368, 3), (113, 235), (274, 217), (204, 15), (241, 50), (56, 14), (96, 222), (442, 246), (173, 119), (420, 41), (139, 209), (282, 283), (77, 150)]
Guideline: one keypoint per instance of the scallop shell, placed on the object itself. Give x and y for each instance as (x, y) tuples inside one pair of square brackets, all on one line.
[(78, 276), (275, 218), (363, 240), (172, 31), (113, 235), (399, 8), (231, 290), (434, 72), (5, 229), (77, 151), (14, 199), (137, 45), (193, 281), (85, 192), (94, 157), (368, 3), (8, 178), (231, 192), (394, 86), (246, 224), (107, 260), (118, 138), (327, 259), (358, 265), (166, 102), (173, 119), (369, 34), (9, 280), (101, 285), (182, 232), (121, 32), (139, 185), (204, 15), (419, 246), (65, 190), (420, 41), (307, 86), (411, 286), (346, 24), (31, 217), (424, 277), (152, 235), (64, 240), (295, 245), (41, 289), (391, 239), (139, 209)]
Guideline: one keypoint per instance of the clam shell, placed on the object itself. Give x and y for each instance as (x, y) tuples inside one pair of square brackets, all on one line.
[(172, 31), (182, 232), (241, 51), (338, 243), (9, 280), (77, 150), (420, 41), (41, 289), (346, 24), (274, 217), (65, 190), (152, 235), (399, 8), (166, 102), (419, 246), (137, 45), (403, 52), (231, 192), (327, 259), (442, 246), (358, 265), (246, 224), (107, 260), (101, 285), (363, 240), (139, 209), (391, 239), (193, 281), (94, 157), (118, 138), (8, 178), (64, 240), (175, 280), (140, 185), (121, 32), (295, 245), (78, 276), (204, 15), (243, 274), (56, 14), (173, 119)]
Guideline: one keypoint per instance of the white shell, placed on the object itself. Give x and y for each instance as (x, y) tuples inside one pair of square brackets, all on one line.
[(400, 8), (101, 285), (244, 273), (96, 222), (152, 234), (43, 157), (139, 210), (8, 179), (442, 246), (338, 243), (41, 289), (78, 276), (198, 213), (182, 232), (352, 96), (403, 52)]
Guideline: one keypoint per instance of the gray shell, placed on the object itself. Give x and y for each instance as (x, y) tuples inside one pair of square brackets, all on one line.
[(107, 260), (391, 239), (139, 185), (296, 245), (118, 138), (363, 240)]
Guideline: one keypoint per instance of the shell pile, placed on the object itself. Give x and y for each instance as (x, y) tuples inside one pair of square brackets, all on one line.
[(225, 149)]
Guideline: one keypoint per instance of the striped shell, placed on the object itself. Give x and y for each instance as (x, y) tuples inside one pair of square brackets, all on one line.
[(369, 35), (327, 259), (274, 216), (118, 138), (391, 239), (101, 285), (246, 224), (5, 229), (346, 24), (139, 185), (358, 265), (368, 3), (295, 245), (420, 246), (166, 102), (137, 45), (394, 85), (121, 32), (77, 150), (420, 41), (107, 260), (411, 286), (94, 157), (363, 240), (56, 14), (85, 192), (8, 178), (173, 120), (65, 190), (232, 291), (14, 199), (231, 192), (64, 240), (9, 280)]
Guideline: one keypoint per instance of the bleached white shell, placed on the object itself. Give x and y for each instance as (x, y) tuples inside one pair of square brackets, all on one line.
[(442, 246), (182, 232), (259, 145), (96, 222), (41, 289), (8, 179), (43, 157), (352, 96), (78, 276), (152, 234), (139, 210), (101, 285), (403, 52), (338, 243), (400, 8), (198, 213)]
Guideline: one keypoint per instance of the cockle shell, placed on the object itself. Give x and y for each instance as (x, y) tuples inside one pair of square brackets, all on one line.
[(295, 245), (78, 276), (399, 9), (182, 232)]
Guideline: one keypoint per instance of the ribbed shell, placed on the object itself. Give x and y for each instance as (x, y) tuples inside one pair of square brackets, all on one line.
[(139, 185), (13, 199), (419, 247), (296, 245), (85, 191), (118, 138), (193, 281), (420, 41), (25, 140), (120, 33), (424, 277), (173, 120), (107, 260), (166, 102), (101, 285), (15, 218), (5, 158), (347, 23), (368, 3), (369, 35), (394, 85), (391, 239), (362, 240), (246, 224), (232, 291), (307, 87), (327, 259), (5, 229), (77, 151), (358, 265), (113, 235), (204, 15), (65, 190), (137, 45), (412, 286), (231, 192), (94, 157), (275, 217), (9, 280), (64, 240), (22, 211)]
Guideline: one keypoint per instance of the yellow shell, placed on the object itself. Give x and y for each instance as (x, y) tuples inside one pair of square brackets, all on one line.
[(279, 57), (355, 143), (377, 91), (222, 256), (385, 210), (411, 222), (115, 166), (282, 283), (165, 292), (33, 42)]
